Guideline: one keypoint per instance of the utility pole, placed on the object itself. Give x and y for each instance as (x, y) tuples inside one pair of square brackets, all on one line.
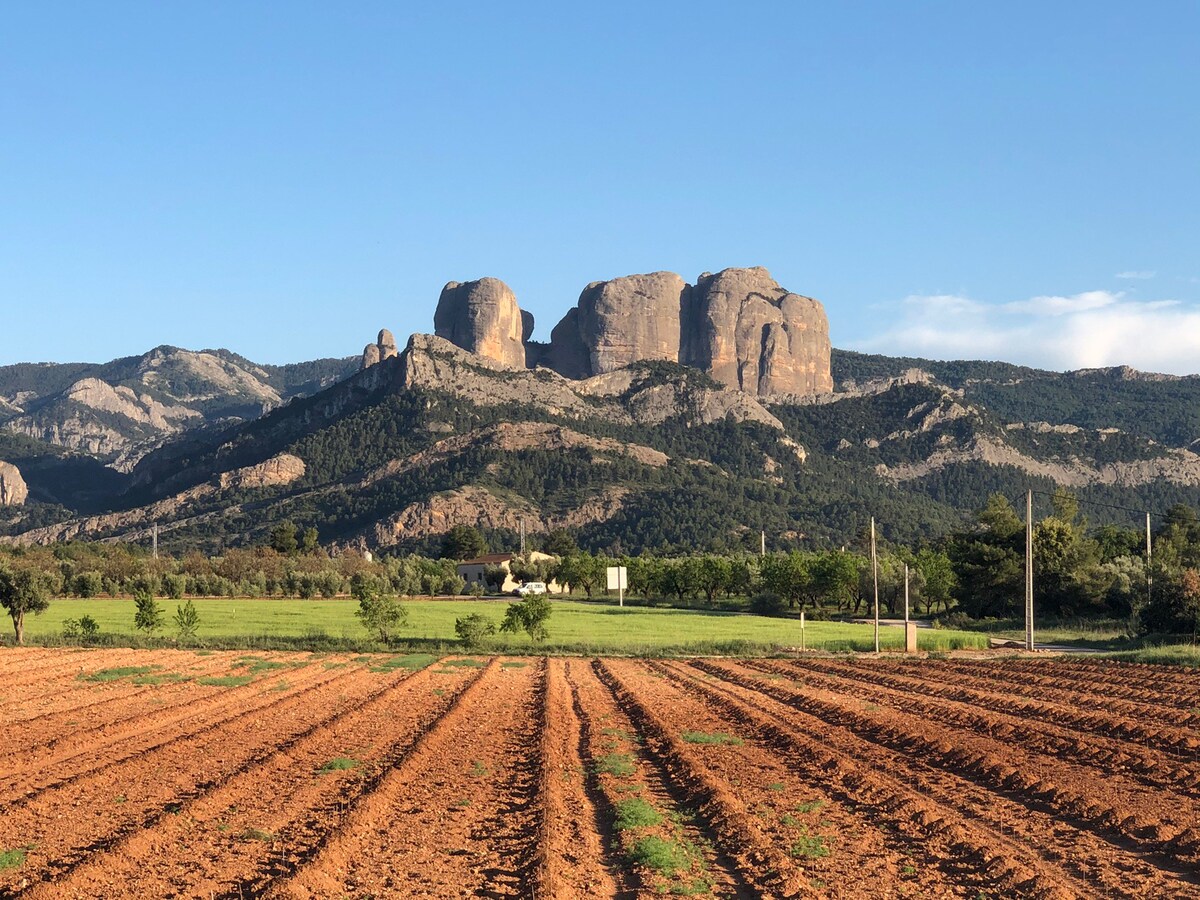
[(875, 573), (1029, 570), (1149, 560), (522, 538), (762, 549), (154, 540), (906, 595)]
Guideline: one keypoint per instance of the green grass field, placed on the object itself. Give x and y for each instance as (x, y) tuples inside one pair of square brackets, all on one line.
[(574, 627)]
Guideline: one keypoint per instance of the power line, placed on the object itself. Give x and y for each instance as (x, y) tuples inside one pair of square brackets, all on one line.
[(1133, 509)]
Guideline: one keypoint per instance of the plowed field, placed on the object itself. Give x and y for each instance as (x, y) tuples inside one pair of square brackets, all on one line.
[(220, 775)]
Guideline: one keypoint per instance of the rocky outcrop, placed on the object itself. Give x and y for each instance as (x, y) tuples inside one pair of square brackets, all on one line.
[(383, 348), (739, 326), (638, 317), (282, 469), (387, 344), (483, 318), (13, 490), (755, 336), (621, 397)]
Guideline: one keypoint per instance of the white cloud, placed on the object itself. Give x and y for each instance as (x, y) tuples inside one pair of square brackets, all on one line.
[(1060, 306), (1086, 330), (1137, 274)]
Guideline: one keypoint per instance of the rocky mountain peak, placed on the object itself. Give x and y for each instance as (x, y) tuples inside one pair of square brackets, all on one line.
[(738, 325), (483, 317)]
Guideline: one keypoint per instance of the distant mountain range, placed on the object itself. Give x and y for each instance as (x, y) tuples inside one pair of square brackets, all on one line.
[(652, 456), (391, 450)]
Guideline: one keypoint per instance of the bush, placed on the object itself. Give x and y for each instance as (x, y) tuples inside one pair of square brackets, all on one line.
[(82, 629), (473, 629), (379, 612), (530, 616), (187, 620), (175, 586), (148, 615), (768, 604)]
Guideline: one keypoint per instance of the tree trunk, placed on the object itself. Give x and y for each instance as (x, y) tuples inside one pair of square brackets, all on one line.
[(19, 626)]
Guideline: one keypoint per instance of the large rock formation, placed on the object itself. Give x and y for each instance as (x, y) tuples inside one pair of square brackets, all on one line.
[(13, 491), (739, 325), (383, 348), (633, 318), (483, 318), (754, 335)]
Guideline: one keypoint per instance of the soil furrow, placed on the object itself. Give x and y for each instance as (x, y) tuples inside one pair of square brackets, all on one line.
[(456, 818), (233, 838), (88, 816), (1152, 769), (1020, 850), (1115, 809), (572, 858), (1178, 743), (83, 762)]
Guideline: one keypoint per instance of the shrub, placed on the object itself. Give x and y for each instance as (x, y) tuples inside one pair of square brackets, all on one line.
[(187, 620), (768, 604), (175, 586), (530, 616), (148, 615), (379, 612), (83, 629), (473, 629)]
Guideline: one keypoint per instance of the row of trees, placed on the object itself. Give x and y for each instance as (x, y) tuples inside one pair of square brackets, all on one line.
[(977, 571)]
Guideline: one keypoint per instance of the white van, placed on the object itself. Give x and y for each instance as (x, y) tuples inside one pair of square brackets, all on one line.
[(531, 587)]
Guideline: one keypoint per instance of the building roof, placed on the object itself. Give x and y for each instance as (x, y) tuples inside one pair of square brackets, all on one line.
[(490, 560)]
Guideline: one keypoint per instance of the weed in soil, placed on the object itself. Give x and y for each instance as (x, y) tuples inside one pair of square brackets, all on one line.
[(719, 737), (636, 813), (616, 764)]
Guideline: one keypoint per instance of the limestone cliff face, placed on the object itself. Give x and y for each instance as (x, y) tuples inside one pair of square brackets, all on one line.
[(739, 325), (13, 491), (483, 318), (755, 336), (630, 319)]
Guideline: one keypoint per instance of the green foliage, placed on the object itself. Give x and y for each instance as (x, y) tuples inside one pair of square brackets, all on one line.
[(83, 629), (338, 764), (463, 542), (379, 612), (474, 629), (23, 591), (148, 615), (283, 539), (530, 616), (660, 855), (619, 765), (12, 859), (719, 738), (187, 620), (636, 813)]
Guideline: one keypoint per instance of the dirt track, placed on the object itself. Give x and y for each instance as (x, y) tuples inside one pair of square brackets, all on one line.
[(176, 774)]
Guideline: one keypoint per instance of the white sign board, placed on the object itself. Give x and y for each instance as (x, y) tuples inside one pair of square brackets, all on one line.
[(618, 578)]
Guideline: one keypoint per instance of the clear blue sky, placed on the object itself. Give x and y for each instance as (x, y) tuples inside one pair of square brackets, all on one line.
[(1017, 180)]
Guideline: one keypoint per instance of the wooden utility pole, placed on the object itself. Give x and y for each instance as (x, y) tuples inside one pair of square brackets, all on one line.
[(762, 548), (1149, 560), (875, 575), (1029, 570)]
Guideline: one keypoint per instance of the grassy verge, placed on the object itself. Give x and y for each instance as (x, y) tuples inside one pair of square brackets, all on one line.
[(586, 628), (1163, 655)]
